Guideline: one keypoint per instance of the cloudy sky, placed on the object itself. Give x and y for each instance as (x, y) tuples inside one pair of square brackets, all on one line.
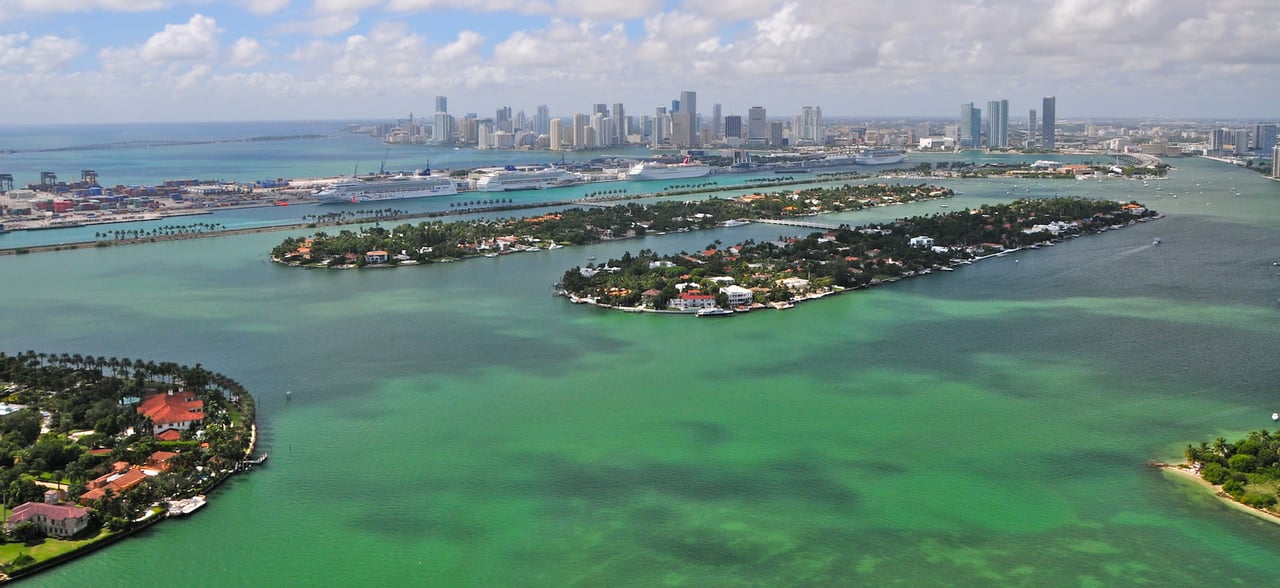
[(194, 60)]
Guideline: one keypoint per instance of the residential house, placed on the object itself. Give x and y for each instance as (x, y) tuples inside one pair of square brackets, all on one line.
[(691, 301), (173, 410), (58, 520)]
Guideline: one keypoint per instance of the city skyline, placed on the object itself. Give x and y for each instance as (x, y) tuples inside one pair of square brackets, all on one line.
[(79, 61)]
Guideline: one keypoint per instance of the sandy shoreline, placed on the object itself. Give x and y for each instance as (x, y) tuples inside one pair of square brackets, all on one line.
[(1181, 471)]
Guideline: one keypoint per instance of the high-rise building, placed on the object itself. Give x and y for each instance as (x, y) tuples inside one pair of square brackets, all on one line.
[(681, 123), (689, 111), (776, 133), (1048, 122), (502, 120), (970, 125), (1264, 137), (807, 128), (580, 124), (442, 104), (717, 122), (998, 124), (602, 124), (733, 126), (1031, 130), (756, 130), (619, 117), (600, 109), (542, 121), (554, 131), (1275, 161)]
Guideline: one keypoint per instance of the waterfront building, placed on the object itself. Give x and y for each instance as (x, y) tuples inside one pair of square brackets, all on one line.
[(442, 104), (756, 131), (733, 126), (682, 129), (1048, 121), (1031, 129), (442, 130), (998, 124), (717, 122), (483, 136), (970, 125), (1275, 161), (52, 519)]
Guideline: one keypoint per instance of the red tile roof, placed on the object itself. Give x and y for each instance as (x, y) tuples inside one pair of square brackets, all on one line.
[(170, 435), (172, 407), (53, 512)]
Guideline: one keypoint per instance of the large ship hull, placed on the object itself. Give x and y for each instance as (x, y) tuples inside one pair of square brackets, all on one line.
[(364, 191), (678, 171), (511, 180), (880, 157)]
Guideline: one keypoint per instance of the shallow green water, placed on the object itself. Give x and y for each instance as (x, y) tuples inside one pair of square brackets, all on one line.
[(457, 425)]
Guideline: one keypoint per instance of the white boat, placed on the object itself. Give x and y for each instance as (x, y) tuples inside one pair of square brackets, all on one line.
[(713, 311), (186, 506), (1275, 416), (655, 170), (385, 187), (525, 178), (880, 156)]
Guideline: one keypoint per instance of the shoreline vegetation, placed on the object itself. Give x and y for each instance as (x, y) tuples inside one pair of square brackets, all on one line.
[(103, 447), (437, 242), (722, 280), (1245, 474)]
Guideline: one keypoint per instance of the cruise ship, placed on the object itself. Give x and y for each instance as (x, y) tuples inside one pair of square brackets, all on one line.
[(653, 170), (384, 187), (880, 156), (525, 178)]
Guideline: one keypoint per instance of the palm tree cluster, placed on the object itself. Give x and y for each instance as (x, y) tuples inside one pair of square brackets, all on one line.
[(473, 203), (1248, 470), (96, 398), (691, 186), (161, 231), (349, 215)]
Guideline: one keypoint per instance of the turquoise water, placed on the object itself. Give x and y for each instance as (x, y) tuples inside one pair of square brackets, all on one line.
[(457, 425)]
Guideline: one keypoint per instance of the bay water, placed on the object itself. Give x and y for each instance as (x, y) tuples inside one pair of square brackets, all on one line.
[(456, 424)]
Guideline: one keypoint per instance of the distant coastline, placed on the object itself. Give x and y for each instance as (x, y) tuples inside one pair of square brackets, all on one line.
[(1187, 472)]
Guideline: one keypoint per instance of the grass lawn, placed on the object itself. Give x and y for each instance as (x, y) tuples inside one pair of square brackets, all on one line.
[(48, 549)]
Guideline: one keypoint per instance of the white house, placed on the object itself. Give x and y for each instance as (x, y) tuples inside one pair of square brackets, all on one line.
[(738, 296), (921, 242)]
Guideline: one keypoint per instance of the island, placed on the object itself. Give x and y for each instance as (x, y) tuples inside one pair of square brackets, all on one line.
[(439, 241), (722, 279), (1245, 474), (93, 449)]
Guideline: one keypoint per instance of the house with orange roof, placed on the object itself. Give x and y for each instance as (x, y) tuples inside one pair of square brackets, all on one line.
[(160, 461), (115, 481), (172, 410)]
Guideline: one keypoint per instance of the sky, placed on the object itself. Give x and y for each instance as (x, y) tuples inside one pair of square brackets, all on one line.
[(84, 61)]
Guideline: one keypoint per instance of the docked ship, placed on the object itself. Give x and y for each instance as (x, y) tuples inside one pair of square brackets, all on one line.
[(654, 170), (525, 178), (387, 187), (880, 156)]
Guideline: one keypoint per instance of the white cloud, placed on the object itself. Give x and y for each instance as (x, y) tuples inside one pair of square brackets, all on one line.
[(343, 6), (264, 6), (459, 50), (195, 40), (323, 26), (245, 52), (48, 53), (605, 10), (16, 7)]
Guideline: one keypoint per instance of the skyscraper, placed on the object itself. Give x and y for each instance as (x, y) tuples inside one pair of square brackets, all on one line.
[(1275, 161), (808, 126), (619, 117), (689, 110), (580, 124), (1031, 130), (1264, 137), (1049, 121), (542, 121), (970, 125), (717, 120), (442, 104), (554, 130), (998, 124), (733, 126), (756, 130)]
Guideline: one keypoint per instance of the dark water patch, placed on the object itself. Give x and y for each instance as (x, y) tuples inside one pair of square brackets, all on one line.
[(704, 433), (402, 522), (704, 482)]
